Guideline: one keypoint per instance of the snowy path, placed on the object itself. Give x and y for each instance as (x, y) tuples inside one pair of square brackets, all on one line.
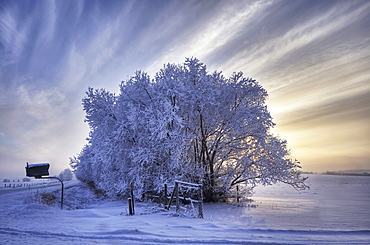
[(281, 217)]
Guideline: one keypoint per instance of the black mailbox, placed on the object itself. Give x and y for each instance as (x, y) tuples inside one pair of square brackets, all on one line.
[(37, 170)]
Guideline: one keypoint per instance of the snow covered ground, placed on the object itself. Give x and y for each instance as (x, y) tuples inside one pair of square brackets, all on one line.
[(334, 211)]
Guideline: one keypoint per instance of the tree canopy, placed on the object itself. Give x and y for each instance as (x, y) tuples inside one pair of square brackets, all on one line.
[(184, 124)]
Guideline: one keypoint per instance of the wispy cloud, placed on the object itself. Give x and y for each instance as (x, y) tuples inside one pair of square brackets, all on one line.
[(12, 38), (264, 55), (221, 24)]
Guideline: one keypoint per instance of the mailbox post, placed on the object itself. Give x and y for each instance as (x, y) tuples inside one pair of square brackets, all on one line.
[(38, 171)]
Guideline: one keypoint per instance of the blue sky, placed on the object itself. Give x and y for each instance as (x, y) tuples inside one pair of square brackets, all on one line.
[(313, 57)]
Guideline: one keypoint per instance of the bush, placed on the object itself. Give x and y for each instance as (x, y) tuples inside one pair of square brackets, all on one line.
[(66, 175), (48, 198)]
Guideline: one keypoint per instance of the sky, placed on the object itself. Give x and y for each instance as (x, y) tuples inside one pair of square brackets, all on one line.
[(312, 57)]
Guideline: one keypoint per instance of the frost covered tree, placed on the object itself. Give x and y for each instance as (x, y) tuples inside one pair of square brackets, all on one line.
[(185, 124), (66, 175)]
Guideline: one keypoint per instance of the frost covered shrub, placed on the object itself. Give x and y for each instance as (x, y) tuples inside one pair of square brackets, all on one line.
[(46, 197), (66, 175), (185, 124)]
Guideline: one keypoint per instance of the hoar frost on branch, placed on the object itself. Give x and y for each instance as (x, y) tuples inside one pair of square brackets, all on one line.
[(185, 124)]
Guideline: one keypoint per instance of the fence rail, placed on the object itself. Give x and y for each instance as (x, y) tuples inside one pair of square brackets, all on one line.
[(176, 195)]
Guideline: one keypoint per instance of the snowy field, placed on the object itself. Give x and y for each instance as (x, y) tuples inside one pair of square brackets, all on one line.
[(334, 211)]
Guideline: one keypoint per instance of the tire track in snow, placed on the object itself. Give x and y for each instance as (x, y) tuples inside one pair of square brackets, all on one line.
[(116, 236), (128, 235)]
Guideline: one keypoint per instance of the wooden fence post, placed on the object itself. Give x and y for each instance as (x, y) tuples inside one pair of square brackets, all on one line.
[(130, 210), (132, 198), (165, 193), (237, 193), (201, 203), (172, 196), (177, 197)]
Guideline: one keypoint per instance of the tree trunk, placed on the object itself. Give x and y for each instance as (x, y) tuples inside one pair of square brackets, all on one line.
[(209, 179)]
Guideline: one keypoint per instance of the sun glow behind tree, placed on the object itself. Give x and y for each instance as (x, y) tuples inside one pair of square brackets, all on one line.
[(184, 124)]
